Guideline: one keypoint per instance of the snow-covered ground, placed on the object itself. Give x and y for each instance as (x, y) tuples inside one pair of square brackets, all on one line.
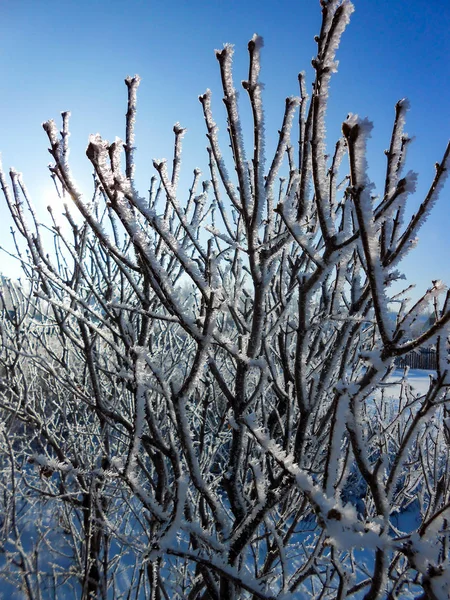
[(406, 521), (418, 378)]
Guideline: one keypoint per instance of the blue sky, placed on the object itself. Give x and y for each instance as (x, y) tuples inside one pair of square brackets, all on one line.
[(67, 55)]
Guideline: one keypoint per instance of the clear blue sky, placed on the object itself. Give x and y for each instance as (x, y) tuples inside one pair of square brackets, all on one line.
[(59, 55)]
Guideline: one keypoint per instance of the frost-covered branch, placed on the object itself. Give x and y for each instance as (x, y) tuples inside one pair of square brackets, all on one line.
[(198, 392)]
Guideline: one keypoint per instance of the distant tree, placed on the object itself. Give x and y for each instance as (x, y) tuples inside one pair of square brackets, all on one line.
[(195, 390)]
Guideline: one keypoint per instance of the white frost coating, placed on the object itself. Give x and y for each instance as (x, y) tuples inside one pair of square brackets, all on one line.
[(357, 132), (101, 155), (287, 205), (332, 6), (304, 241), (396, 148), (260, 485), (169, 538), (332, 174), (194, 465), (402, 457), (190, 229), (196, 529), (132, 85), (146, 498), (141, 378), (53, 464), (420, 308), (373, 357), (52, 130), (411, 178), (444, 343), (293, 103), (222, 236), (180, 132), (231, 96), (70, 186), (347, 530), (254, 87), (425, 552), (325, 65), (215, 147), (409, 245), (107, 336), (439, 287), (141, 241), (408, 186), (397, 207), (359, 143), (336, 442)]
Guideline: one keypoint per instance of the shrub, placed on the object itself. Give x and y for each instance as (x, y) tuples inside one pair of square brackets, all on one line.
[(200, 381)]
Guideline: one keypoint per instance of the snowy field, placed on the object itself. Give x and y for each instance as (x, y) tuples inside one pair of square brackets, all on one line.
[(405, 521), (418, 378)]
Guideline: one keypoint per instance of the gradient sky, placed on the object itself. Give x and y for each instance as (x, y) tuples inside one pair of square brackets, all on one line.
[(74, 55)]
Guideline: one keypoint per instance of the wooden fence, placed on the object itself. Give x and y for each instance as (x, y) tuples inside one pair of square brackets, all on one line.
[(422, 358)]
